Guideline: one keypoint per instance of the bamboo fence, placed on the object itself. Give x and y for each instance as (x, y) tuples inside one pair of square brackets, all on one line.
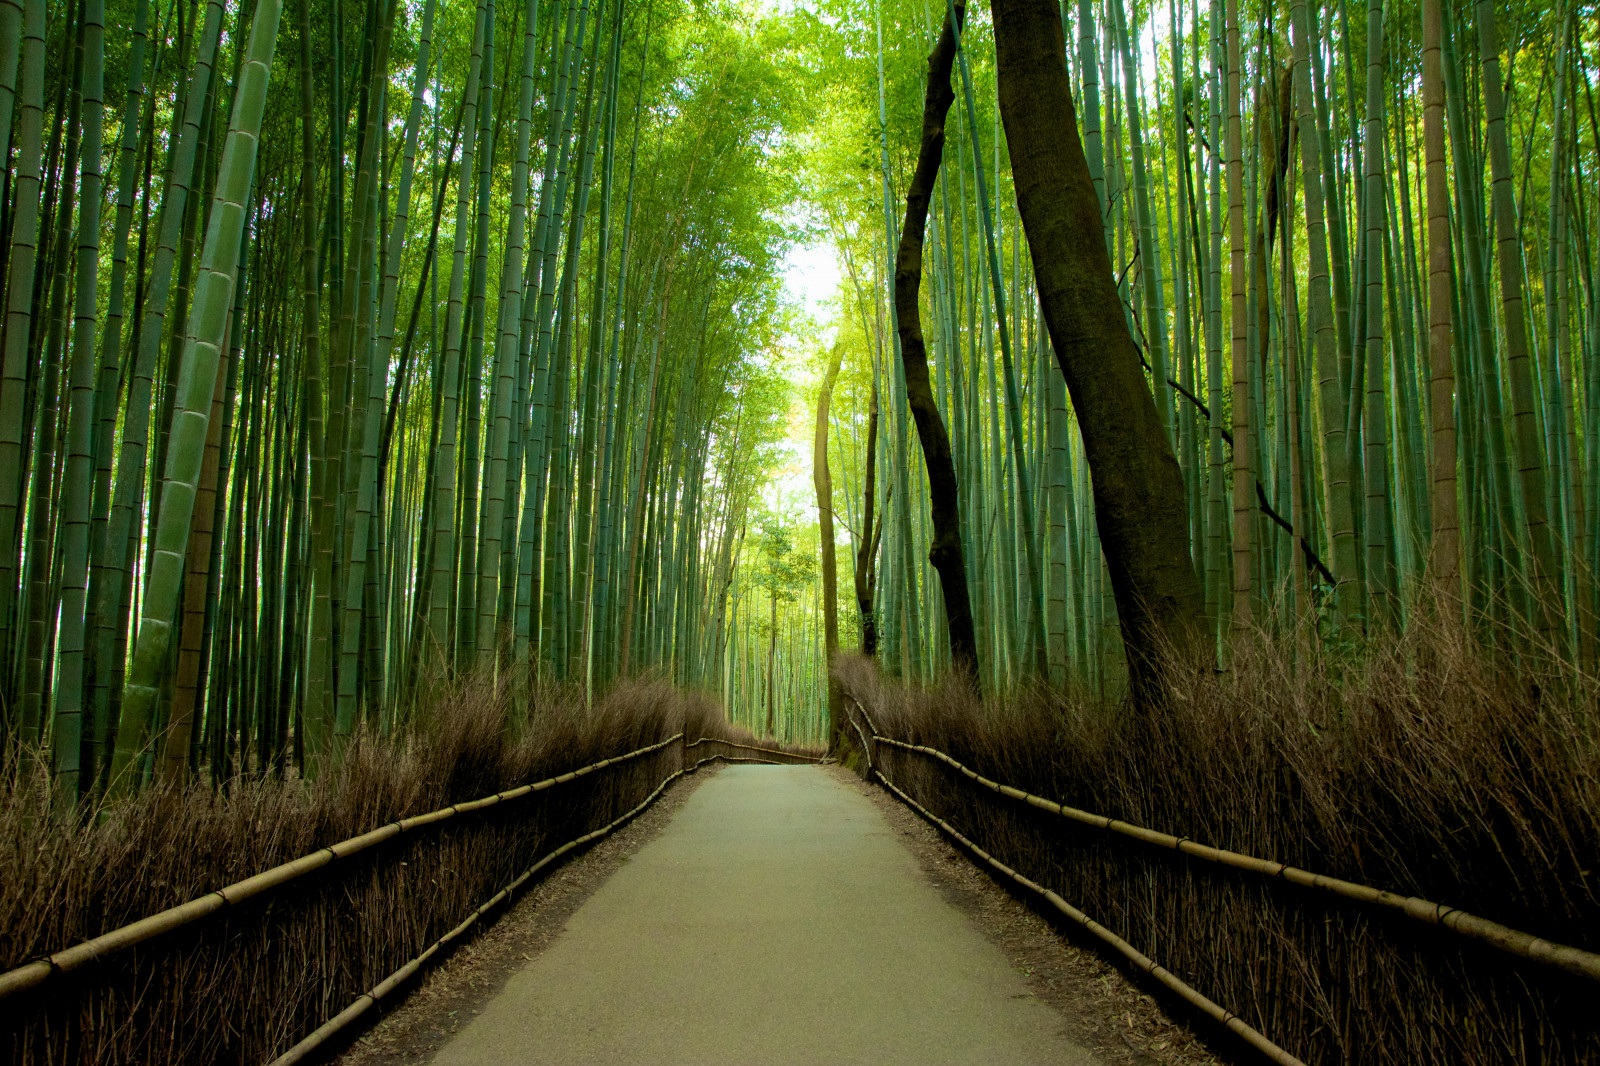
[(44, 1002), (363, 1003), (1570, 960)]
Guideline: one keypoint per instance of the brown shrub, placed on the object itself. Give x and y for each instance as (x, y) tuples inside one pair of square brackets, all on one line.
[(248, 982), (1428, 767)]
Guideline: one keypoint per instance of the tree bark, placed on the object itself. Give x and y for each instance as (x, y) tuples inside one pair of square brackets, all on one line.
[(945, 552), (823, 479), (1138, 487), (867, 551)]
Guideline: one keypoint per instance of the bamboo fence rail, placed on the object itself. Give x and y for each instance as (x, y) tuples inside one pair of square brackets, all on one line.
[(778, 755), (1514, 942), (35, 974), (1188, 992), (367, 1000), (32, 974)]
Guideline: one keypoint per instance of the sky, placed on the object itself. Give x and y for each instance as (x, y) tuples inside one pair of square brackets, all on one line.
[(811, 277)]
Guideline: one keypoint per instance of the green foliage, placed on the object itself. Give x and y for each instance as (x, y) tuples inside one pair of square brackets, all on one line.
[(782, 572), (652, 383)]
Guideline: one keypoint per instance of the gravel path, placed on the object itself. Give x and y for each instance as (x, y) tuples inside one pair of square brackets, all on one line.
[(776, 919)]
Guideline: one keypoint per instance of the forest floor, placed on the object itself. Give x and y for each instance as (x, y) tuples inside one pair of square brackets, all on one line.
[(775, 915)]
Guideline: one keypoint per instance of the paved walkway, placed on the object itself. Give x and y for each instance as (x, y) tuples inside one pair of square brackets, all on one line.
[(776, 920)]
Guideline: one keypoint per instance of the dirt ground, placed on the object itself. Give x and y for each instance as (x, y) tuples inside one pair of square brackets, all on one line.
[(1103, 1009)]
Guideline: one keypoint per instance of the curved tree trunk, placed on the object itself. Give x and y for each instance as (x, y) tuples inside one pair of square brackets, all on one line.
[(1138, 488), (823, 479), (867, 551), (945, 552)]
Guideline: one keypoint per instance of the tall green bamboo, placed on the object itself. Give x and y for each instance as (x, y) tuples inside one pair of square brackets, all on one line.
[(213, 298), (1337, 481), (1530, 457)]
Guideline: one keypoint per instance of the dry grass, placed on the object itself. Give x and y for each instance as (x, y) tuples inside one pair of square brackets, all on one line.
[(245, 984), (1430, 767)]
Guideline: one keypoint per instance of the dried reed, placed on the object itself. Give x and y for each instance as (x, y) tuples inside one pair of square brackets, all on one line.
[(1427, 767), (247, 983)]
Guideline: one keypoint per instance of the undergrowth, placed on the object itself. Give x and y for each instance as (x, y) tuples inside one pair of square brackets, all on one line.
[(1428, 766), (243, 985)]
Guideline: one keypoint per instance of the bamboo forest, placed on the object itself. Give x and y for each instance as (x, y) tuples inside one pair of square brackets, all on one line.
[(1180, 411)]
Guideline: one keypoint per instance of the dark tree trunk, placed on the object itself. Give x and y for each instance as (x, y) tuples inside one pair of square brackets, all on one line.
[(1138, 487), (945, 552), (823, 478), (867, 551)]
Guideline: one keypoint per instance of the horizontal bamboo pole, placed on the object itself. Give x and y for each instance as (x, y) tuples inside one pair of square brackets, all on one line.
[(35, 973), (1511, 941), (1232, 1021), (367, 1000), (752, 747), (731, 759)]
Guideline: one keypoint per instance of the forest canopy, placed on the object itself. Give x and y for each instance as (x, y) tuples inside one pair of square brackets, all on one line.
[(351, 343)]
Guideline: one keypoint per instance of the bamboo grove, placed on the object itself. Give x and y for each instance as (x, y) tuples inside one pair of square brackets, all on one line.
[(352, 344), (1354, 246)]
